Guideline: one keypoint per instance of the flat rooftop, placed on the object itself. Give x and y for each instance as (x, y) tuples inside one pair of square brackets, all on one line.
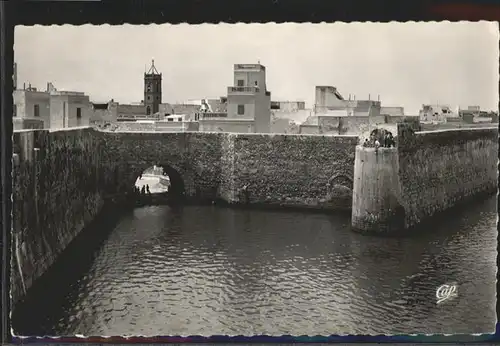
[(249, 67)]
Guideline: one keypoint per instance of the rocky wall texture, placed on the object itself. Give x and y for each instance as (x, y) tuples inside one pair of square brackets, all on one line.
[(227, 189), (293, 170), (58, 189), (305, 171), (439, 169), (204, 157)]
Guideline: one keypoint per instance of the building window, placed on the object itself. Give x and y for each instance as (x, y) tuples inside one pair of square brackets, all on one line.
[(149, 98), (157, 98), (148, 110), (78, 116), (256, 83), (241, 82), (241, 109), (36, 110), (15, 110), (180, 119)]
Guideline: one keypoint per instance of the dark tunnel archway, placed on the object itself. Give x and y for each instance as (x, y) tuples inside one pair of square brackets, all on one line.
[(177, 187), (161, 180)]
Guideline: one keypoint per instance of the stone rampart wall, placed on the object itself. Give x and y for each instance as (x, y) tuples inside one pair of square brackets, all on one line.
[(61, 178), (439, 169), (60, 181), (429, 172), (292, 170), (212, 165)]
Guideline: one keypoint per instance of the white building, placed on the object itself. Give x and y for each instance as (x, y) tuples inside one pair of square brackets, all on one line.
[(57, 109), (436, 113), (248, 104)]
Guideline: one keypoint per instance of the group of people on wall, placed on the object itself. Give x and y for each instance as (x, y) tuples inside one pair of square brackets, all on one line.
[(380, 138)]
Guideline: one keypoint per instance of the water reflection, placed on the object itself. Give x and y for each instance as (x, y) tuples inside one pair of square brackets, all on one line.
[(208, 270)]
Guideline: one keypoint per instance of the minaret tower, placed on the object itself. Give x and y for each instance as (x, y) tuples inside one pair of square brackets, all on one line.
[(152, 89)]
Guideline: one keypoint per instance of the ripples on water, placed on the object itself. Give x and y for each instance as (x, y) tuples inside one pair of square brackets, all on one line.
[(208, 270)]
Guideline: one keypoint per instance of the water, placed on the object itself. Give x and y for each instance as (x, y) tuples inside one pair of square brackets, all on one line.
[(207, 270)]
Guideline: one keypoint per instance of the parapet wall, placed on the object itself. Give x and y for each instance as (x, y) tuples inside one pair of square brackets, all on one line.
[(290, 170), (438, 169), (60, 179)]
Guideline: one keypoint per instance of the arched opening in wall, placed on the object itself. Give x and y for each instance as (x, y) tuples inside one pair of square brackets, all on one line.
[(342, 180), (339, 192), (160, 184)]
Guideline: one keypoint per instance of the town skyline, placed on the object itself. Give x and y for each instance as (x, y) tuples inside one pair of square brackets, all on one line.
[(409, 64)]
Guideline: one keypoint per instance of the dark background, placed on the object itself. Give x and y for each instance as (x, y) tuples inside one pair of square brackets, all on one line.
[(14, 12)]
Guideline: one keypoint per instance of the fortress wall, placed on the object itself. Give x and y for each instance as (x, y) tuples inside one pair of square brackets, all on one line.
[(439, 169), (57, 191), (62, 177), (294, 170)]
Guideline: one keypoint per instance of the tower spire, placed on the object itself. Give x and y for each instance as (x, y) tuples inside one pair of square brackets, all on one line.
[(152, 69), (152, 89)]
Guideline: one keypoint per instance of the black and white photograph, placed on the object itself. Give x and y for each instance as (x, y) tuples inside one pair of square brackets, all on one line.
[(255, 179)]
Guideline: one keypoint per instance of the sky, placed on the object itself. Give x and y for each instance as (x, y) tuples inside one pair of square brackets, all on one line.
[(407, 64)]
